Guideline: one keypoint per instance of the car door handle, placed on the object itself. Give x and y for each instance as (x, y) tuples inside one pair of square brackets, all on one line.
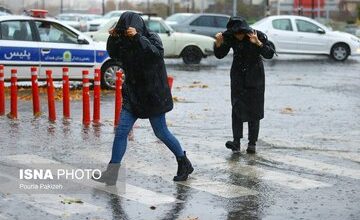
[(193, 30), (45, 51)]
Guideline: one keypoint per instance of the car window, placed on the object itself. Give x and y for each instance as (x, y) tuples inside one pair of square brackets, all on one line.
[(16, 30), (55, 33), (306, 26), (282, 24), (221, 21), (155, 26), (206, 21)]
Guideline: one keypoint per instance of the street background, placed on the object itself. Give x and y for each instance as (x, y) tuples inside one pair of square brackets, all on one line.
[(307, 164)]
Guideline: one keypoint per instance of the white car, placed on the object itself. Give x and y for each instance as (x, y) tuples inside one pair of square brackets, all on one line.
[(190, 47), (177, 18), (302, 35), (27, 41), (76, 21), (96, 23)]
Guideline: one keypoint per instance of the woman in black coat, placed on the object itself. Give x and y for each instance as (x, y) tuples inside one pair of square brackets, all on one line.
[(247, 77), (146, 93)]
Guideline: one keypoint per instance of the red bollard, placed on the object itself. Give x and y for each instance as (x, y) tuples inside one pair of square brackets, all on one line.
[(97, 91), (13, 94), (66, 93), (2, 91), (118, 96), (86, 98), (51, 98), (35, 92), (170, 81)]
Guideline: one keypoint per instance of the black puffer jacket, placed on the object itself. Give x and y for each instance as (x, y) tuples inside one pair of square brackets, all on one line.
[(247, 70), (146, 92)]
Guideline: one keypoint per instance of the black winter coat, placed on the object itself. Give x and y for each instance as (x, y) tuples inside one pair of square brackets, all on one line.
[(247, 75), (146, 92)]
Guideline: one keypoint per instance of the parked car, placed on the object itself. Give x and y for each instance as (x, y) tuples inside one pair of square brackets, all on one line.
[(77, 21), (353, 29), (204, 24), (190, 47), (302, 35), (95, 24), (177, 18), (3, 13), (36, 40), (90, 17)]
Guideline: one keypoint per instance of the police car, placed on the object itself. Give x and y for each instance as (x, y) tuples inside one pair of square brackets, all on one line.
[(35, 40)]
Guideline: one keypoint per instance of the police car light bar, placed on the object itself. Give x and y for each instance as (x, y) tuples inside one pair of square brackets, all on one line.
[(37, 13)]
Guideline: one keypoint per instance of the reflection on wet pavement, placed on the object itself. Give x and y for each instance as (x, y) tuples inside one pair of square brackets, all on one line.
[(307, 166)]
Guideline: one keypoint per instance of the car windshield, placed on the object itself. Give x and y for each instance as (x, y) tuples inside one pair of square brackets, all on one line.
[(260, 21), (108, 25), (178, 17), (167, 27), (112, 14), (68, 18)]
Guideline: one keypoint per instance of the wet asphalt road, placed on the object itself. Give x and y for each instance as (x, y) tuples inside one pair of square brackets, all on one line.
[(307, 165)]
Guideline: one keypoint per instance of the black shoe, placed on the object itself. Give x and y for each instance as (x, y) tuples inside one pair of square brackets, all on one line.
[(251, 149), (184, 168), (234, 146), (109, 176)]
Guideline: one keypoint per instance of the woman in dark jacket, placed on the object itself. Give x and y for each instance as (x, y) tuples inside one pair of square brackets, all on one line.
[(146, 93), (247, 77)]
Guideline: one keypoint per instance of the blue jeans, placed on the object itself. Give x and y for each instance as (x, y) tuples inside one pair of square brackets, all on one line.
[(158, 124)]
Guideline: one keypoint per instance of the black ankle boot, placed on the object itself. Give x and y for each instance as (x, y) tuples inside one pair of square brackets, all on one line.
[(251, 149), (184, 168), (109, 176), (233, 145)]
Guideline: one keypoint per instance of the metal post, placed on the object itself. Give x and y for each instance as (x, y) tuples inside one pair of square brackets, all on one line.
[(312, 9), (234, 7), (202, 6), (103, 7), (267, 13), (172, 7), (168, 7)]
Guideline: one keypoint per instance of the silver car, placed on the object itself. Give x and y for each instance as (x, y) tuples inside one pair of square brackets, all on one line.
[(204, 24)]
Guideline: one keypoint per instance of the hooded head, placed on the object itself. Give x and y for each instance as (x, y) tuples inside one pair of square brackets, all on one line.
[(237, 28), (238, 25), (131, 19)]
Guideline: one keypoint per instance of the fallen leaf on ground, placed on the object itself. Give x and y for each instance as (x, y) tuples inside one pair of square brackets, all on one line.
[(71, 201), (177, 99), (287, 110)]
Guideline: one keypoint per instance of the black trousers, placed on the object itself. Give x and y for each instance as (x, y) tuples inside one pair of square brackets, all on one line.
[(237, 128)]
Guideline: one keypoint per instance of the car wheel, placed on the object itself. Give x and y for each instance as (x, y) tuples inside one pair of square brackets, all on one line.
[(340, 52), (108, 74), (191, 55)]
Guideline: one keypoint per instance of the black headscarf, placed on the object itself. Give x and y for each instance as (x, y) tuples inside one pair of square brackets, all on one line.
[(131, 19), (238, 24)]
